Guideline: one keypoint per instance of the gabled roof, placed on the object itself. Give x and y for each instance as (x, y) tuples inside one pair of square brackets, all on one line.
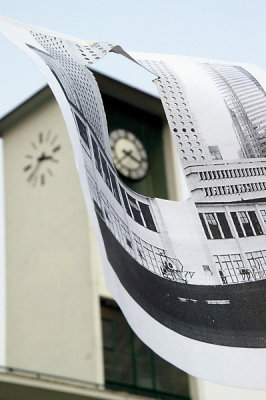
[(107, 85)]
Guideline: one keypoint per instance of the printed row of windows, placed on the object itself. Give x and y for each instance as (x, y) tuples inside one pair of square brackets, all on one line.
[(232, 268), (234, 189), (137, 210), (116, 224), (246, 223), (151, 257), (83, 131), (155, 259), (232, 173)]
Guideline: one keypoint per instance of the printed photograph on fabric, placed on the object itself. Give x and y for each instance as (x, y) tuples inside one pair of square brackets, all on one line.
[(197, 266), (193, 292)]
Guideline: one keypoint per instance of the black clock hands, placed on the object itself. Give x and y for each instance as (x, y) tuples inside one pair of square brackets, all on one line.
[(122, 158), (127, 154), (43, 157), (130, 155)]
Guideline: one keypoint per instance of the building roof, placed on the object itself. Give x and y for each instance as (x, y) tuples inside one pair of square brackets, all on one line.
[(107, 85)]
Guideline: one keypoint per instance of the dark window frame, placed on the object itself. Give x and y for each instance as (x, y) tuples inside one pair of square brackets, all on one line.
[(137, 352)]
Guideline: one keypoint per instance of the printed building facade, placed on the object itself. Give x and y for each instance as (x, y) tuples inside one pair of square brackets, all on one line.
[(245, 99)]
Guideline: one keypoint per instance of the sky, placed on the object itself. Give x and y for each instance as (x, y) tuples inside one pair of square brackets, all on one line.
[(232, 30)]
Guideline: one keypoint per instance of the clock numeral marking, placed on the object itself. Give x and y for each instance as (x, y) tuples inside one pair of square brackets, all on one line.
[(34, 145), (27, 168), (42, 179), (29, 156), (56, 148), (49, 172), (40, 137)]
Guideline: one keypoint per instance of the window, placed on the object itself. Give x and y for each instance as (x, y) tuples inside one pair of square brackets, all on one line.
[(105, 170), (257, 262), (204, 226), (82, 131), (96, 155), (137, 210), (215, 225), (231, 268), (146, 213), (244, 220), (246, 223), (224, 225), (263, 214), (255, 223), (237, 224), (114, 185), (132, 366)]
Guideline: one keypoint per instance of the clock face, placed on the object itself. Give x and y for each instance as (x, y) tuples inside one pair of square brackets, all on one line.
[(42, 158), (129, 155)]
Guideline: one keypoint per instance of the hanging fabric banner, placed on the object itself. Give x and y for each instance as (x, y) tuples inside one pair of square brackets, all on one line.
[(189, 276)]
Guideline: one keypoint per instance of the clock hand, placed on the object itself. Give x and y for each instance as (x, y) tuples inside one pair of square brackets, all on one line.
[(131, 156), (126, 154), (43, 157), (135, 159)]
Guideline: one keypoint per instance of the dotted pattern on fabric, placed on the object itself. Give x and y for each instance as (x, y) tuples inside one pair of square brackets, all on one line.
[(190, 144), (79, 83)]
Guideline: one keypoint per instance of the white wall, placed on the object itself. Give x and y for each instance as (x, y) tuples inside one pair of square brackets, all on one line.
[(2, 263), (52, 309)]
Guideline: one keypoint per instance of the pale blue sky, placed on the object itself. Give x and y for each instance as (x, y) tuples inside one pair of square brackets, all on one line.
[(233, 30)]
